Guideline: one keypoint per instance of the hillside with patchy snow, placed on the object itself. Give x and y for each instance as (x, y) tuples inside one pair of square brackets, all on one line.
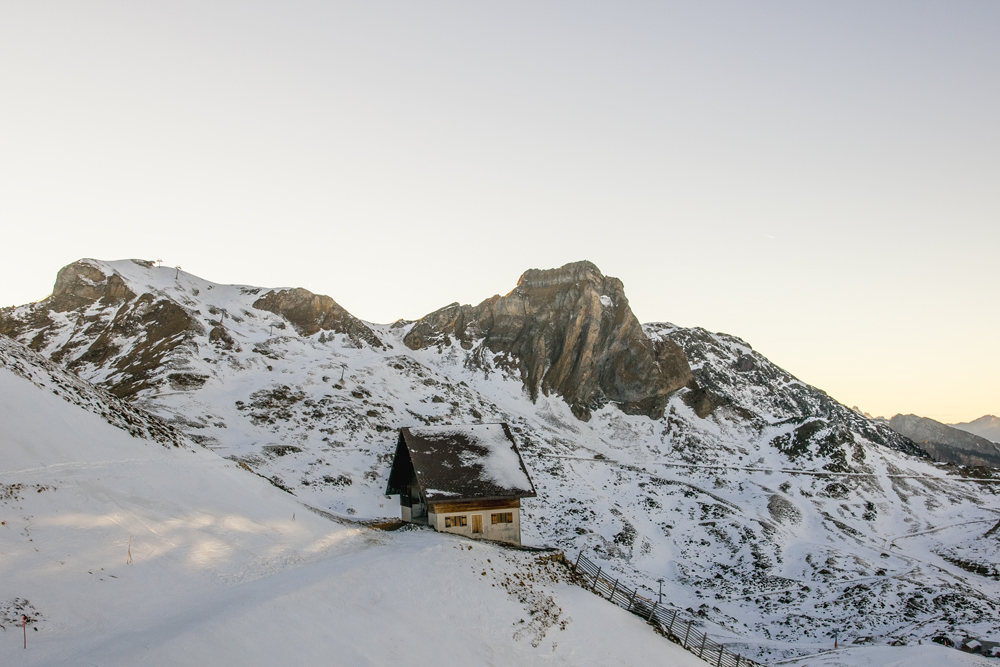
[(120, 547), (773, 513)]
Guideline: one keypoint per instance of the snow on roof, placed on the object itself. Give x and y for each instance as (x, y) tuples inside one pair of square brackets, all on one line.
[(476, 461)]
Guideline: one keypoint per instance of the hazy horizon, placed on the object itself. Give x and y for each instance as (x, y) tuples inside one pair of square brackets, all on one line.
[(819, 180)]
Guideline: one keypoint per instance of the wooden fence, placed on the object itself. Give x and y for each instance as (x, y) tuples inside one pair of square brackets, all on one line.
[(675, 628)]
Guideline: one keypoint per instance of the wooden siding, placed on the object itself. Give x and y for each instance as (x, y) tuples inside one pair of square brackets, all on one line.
[(475, 506)]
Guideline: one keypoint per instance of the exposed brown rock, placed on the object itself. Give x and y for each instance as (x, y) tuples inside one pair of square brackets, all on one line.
[(80, 284), (569, 331), (166, 326), (152, 327), (702, 401), (310, 313), (221, 338)]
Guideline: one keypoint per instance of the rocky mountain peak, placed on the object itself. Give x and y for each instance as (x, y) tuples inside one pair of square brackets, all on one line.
[(569, 331), (574, 272), (132, 326)]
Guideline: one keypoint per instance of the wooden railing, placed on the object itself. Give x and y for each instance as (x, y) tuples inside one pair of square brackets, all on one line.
[(675, 628)]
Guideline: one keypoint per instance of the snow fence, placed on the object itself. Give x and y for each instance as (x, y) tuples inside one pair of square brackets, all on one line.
[(673, 627)]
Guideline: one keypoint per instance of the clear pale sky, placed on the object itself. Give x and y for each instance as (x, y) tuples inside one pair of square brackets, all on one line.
[(820, 179)]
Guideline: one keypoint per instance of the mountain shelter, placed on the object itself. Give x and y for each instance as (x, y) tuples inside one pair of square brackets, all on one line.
[(465, 479)]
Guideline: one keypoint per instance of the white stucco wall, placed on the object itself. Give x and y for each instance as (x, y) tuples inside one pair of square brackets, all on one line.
[(502, 532)]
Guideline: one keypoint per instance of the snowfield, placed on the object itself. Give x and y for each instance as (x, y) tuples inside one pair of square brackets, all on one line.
[(227, 569)]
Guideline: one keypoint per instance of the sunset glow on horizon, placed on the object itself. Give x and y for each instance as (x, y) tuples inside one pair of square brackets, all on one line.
[(820, 180)]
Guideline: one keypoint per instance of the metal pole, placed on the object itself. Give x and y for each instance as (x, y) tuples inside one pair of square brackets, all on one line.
[(596, 577), (701, 650), (580, 555), (671, 626), (632, 599), (686, 633), (651, 611), (719, 663), (737, 660), (661, 589), (612, 596)]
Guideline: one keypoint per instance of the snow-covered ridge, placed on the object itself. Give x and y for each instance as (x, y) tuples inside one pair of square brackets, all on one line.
[(774, 518)]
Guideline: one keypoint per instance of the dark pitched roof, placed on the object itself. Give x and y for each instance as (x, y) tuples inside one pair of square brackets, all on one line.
[(476, 461)]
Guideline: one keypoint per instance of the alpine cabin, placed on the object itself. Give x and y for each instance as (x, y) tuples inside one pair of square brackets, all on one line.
[(467, 480)]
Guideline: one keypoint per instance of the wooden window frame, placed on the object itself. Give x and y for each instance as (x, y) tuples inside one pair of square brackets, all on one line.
[(501, 518), (458, 521)]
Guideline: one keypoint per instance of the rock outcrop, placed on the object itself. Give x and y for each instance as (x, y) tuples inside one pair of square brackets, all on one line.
[(78, 286), (310, 313), (130, 326), (569, 331), (947, 444), (101, 323)]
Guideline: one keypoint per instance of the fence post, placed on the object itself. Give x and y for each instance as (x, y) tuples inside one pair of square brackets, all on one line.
[(651, 611), (596, 577), (686, 634), (737, 660), (612, 596), (704, 638), (577, 563), (671, 626), (721, 651), (632, 599)]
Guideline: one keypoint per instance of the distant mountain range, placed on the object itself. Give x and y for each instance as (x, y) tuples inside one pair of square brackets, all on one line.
[(773, 513), (987, 427), (947, 443)]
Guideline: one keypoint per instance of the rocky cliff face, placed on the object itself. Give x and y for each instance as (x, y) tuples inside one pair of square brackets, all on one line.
[(311, 313), (947, 444), (570, 332)]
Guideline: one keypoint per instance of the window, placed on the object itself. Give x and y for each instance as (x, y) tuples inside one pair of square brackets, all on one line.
[(503, 517), (455, 521)]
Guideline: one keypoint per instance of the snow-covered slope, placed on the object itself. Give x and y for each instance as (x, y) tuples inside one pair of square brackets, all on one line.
[(773, 513), (122, 550)]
